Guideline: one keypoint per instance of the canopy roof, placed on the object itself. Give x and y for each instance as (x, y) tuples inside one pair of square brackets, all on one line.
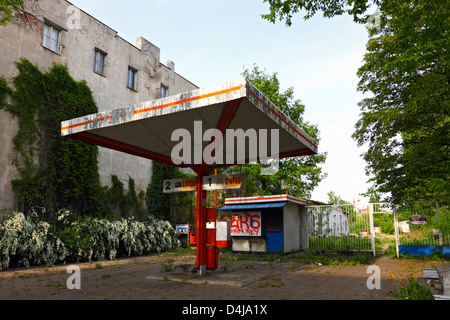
[(145, 129)]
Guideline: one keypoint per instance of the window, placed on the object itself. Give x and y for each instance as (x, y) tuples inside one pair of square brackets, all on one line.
[(163, 92), (274, 222), (99, 62), (131, 81), (50, 39)]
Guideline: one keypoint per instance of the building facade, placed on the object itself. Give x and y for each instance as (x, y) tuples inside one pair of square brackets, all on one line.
[(119, 74)]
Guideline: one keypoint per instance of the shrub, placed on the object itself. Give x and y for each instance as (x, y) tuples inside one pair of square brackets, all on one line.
[(29, 241), (26, 241), (414, 291)]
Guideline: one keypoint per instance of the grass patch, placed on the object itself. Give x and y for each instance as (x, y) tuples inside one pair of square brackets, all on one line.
[(327, 257), (167, 266), (413, 291)]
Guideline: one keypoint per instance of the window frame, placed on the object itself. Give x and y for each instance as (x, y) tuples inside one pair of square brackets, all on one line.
[(134, 72), (102, 62), (49, 38), (163, 89)]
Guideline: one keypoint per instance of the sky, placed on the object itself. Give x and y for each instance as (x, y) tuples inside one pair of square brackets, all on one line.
[(213, 41)]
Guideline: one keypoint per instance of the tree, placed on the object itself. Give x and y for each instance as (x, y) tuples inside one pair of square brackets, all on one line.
[(176, 208), (7, 10), (298, 174), (333, 198), (284, 10), (406, 121)]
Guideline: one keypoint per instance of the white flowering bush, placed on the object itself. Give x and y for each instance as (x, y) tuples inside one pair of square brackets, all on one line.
[(100, 239), (29, 241), (26, 241)]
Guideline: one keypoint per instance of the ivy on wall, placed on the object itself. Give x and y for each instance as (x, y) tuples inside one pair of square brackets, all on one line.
[(176, 208), (54, 172), (60, 173)]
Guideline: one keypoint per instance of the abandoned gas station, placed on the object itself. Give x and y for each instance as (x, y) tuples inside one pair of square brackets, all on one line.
[(147, 130)]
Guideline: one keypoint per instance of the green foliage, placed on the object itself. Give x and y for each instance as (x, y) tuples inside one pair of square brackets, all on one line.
[(167, 266), (386, 222), (328, 257), (124, 203), (333, 198), (414, 291), (342, 242), (30, 241), (285, 10), (176, 208), (406, 121), (5, 92), (443, 223), (299, 174), (7, 9), (55, 172)]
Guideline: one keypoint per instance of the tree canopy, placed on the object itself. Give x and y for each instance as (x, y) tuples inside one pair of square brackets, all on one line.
[(405, 122), (298, 174), (284, 10)]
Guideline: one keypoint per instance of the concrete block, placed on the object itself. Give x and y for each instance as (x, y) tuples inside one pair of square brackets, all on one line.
[(444, 277)]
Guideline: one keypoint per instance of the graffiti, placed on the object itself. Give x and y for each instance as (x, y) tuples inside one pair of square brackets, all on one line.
[(246, 224)]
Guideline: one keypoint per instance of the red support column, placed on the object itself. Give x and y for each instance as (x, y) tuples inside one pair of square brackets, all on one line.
[(201, 214)]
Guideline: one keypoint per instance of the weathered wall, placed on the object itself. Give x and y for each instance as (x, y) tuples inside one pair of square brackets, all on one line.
[(291, 223), (78, 45)]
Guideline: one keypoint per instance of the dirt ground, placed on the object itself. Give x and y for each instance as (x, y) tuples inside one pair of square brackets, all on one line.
[(142, 279)]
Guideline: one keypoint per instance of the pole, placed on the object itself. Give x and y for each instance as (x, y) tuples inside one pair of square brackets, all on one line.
[(441, 242), (397, 239), (372, 229), (201, 213), (215, 196)]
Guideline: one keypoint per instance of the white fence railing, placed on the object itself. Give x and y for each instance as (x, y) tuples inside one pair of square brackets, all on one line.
[(348, 227), (417, 224), (342, 227)]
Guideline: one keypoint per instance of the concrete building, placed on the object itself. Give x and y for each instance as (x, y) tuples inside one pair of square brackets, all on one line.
[(119, 74)]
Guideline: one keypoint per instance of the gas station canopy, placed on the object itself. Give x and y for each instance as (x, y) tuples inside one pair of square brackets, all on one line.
[(146, 129)]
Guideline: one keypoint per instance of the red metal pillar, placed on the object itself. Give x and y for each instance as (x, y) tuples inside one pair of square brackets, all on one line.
[(201, 214)]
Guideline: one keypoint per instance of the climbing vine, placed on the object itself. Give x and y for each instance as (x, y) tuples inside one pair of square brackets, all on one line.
[(59, 173), (54, 172), (176, 208)]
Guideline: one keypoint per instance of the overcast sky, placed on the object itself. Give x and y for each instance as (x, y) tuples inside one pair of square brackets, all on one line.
[(212, 41)]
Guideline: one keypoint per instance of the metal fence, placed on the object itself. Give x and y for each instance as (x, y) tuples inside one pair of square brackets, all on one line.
[(340, 227), (417, 224), (348, 227)]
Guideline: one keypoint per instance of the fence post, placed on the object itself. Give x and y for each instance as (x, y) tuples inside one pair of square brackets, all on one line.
[(397, 244), (372, 230), (439, 220)]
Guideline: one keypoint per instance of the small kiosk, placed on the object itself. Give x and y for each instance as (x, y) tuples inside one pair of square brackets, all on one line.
[(268, 224)]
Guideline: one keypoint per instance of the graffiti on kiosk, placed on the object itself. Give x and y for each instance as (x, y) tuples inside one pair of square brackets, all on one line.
[(246, 224)]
